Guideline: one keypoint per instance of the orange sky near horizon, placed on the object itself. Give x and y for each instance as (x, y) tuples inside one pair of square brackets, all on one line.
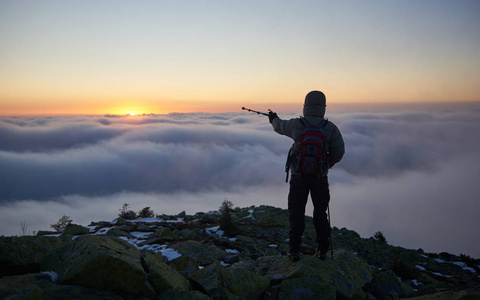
[(76, 57)]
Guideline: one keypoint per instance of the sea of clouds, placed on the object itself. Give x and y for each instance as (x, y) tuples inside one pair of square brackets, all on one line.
[(411, 173)]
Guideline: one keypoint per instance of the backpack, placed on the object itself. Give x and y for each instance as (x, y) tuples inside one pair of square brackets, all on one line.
[(310, 157)]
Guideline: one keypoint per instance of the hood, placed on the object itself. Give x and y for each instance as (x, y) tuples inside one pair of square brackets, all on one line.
[(315, 104)]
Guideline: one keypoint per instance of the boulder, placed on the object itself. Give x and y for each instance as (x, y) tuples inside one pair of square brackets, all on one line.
[(245, 283), (39, 286), (385, 284), (103, 263), (237, 282), (184, 265), (162, 276), (346, 273), (203, 254), (305, 288), (74, 229), (21, 255), (212, 280)]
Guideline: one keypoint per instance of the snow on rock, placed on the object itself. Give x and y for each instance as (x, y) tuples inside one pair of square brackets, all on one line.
[(53, 275)]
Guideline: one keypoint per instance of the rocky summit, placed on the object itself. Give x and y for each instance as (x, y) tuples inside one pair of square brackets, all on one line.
[(241, 255)]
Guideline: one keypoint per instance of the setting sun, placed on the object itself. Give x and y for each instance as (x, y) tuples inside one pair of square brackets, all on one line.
[(132, 113)]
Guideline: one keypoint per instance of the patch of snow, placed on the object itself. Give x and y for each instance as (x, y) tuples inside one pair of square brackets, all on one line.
[(54, 235), (104, 230), (273, 246), (91, 228), (144, 220), (170, 253), (74, 237), (416, 282), (178, 220), (232, 251), (224, 264), (140, 234), (250, 216), (420, 268), (464, 266), (53, 275), (460, 264), (439, 274), (212, 230), (232, 239)]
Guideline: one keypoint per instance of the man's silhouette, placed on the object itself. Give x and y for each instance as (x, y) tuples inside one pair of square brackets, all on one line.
[(316, 185)]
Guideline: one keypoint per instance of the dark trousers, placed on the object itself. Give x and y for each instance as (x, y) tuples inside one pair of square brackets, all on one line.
[(318, 188)]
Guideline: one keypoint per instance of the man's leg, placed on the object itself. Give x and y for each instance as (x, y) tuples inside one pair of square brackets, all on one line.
[(297, 199), (320, 198)]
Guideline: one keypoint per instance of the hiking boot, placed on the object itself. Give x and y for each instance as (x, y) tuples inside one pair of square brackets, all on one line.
[(294, 256), (322, 254)]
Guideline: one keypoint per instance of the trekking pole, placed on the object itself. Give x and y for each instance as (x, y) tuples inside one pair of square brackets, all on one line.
[(258, 112), (330, 225)]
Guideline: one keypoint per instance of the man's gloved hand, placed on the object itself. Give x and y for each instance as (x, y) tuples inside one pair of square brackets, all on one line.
[(272, 116)]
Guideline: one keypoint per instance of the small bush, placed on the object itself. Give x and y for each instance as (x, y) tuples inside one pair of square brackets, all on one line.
[(380, 237), (146, 212), (126, 213), (61, 224), (226, 223)]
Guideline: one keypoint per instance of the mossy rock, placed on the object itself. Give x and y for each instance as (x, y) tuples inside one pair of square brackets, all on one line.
[(346, 273), (74, 229), (39, 286), (305, 288), (387, 283), (21, 255), (246, 284), (103, 263), (162, 276), (271, 216), (212, 280), (166, 234), (184, 265), (203, 254)]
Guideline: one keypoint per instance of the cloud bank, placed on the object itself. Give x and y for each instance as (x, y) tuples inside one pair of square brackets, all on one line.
[(411, 174)]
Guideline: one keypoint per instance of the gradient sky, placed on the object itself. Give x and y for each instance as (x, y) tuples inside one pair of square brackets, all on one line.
[(96, 57)]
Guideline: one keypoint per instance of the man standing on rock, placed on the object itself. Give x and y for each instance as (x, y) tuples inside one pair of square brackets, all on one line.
[(303, 182)]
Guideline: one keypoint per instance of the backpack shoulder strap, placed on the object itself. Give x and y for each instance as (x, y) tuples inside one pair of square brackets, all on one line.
[(304, 122), (323, 123)]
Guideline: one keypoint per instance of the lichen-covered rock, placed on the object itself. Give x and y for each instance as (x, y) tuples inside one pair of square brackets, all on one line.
[(164, 234), (230, 283), (246, 284), (74, 229), (21, 255), (39, 286), (212, 279), (162, 276), (101, 262), (204, 254), (184, 265), (305, 288), (270, 216), (347, 280), (387, 283)]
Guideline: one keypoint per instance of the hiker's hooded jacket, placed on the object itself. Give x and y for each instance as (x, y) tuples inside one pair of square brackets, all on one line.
[(313, 111)]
